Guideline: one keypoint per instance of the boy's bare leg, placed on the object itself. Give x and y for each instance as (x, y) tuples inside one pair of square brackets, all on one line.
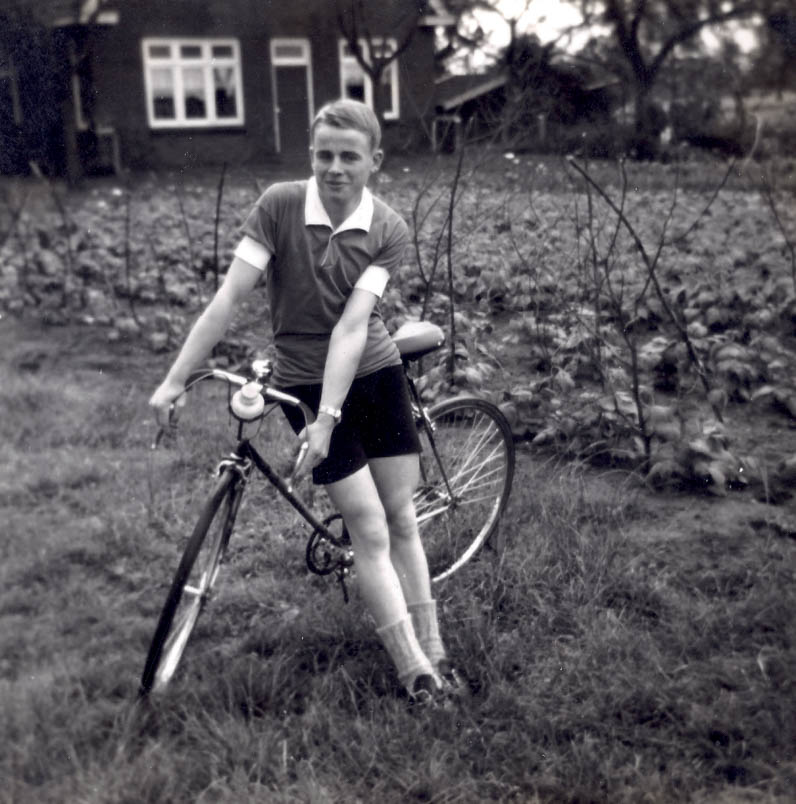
[(357, 499), (396, 480)]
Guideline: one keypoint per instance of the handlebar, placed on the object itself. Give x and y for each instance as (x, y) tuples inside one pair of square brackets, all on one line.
[(268, 393)]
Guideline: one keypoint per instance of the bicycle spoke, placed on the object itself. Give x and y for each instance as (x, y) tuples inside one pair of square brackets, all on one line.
[(190, 588), (459, 504), (175, 645), (473, 472)]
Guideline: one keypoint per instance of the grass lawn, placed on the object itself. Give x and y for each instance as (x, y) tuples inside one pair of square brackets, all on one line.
[(625, 647)]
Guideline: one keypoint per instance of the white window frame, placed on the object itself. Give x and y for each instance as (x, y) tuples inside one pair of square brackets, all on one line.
[(10, 73), (304, 60), (394, 112), (77, 93), (175, 62)]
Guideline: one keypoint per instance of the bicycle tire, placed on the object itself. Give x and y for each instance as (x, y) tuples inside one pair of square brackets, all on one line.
[(473, 442), (196, 575)]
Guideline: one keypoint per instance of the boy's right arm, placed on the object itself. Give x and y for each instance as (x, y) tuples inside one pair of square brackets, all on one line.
[(206, 332)]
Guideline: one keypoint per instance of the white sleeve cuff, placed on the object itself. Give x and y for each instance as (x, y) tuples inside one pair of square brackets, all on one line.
[(374, 278), (256, 254)]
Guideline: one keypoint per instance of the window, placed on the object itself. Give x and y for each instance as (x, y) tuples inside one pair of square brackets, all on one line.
[(10, 107), (193, 82), (355, 82)]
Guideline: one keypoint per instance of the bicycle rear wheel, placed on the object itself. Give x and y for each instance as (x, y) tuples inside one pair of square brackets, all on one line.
[(193, 582), (467, 468)]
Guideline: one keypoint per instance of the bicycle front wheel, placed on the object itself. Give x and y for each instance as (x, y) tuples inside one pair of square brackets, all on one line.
[(193, 582), (467, 468)]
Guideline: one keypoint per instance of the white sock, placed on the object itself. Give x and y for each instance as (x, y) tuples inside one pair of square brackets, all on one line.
[(401, 643), (426, 625)]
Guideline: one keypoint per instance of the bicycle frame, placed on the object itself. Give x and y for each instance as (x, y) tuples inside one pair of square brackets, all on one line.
[(242, 458), (245, 456), (422, 420), (442, 488), (245, 451)]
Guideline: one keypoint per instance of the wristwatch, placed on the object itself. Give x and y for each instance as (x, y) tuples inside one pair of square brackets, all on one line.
[(335, 413)]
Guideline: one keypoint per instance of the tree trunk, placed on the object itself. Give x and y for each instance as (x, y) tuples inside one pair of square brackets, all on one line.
[(649, 120)]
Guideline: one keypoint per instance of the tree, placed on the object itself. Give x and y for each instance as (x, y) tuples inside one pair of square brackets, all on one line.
[(468, 35), (776, 59), (374, 53), (643, 35)]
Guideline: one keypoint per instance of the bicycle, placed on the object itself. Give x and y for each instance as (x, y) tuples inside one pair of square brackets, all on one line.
[(467, 468)]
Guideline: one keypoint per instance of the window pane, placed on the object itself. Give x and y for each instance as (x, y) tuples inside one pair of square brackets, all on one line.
[(353, 81), (193, 81), (295, 51), (191, 51), (224, 83), (382, 50), (193, 85), (162, 94), (386, 92)]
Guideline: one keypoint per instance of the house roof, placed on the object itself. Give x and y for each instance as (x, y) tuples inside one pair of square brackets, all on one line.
[(60, 13), (80, 12), (454, 90)]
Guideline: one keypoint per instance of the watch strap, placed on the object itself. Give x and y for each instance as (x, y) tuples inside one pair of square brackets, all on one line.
[(335, 413)]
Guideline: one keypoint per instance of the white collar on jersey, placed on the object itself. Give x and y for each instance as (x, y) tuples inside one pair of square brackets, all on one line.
[(316, 215)]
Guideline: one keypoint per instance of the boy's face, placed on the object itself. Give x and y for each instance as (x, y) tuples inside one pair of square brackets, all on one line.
[(342, 161)]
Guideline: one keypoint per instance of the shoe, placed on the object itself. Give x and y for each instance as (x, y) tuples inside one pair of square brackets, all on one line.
[(452, 683), (426, 692)]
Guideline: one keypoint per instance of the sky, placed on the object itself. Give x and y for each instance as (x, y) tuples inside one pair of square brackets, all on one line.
[(548, 19)]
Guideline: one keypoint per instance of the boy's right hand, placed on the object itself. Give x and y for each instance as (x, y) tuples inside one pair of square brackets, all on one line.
[(166, 394)]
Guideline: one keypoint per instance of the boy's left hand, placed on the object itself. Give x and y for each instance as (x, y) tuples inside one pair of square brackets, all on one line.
[(317, 437)]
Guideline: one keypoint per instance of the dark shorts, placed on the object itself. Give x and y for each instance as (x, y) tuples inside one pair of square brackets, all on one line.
[(377, 422)]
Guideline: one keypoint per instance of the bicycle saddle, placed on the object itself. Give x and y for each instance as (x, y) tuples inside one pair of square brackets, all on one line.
[(417, 338)]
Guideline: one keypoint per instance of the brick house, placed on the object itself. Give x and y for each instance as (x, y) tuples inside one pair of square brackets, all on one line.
[(151, 84)]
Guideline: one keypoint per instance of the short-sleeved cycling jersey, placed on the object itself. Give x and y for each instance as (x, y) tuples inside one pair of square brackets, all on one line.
[(312, 268)]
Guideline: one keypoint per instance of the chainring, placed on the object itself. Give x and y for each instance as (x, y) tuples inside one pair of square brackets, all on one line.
[(328, 552)]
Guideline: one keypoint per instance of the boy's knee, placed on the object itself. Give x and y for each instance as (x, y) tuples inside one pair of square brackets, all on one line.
[(401, 520), (368, 528)]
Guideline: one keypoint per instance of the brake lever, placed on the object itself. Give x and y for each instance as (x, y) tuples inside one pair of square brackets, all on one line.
[(299, 460)]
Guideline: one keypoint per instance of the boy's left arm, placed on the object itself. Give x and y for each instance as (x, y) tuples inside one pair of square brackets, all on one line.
[(346, 345)]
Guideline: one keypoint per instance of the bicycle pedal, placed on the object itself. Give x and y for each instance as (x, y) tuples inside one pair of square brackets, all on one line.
[(342, 574)]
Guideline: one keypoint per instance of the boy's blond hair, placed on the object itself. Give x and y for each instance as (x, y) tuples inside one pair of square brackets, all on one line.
[(346, 113)]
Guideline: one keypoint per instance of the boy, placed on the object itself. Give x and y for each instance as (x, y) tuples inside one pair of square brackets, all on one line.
[(328, 248)]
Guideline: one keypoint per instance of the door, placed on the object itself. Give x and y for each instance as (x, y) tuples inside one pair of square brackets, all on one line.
[(292, 90)]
